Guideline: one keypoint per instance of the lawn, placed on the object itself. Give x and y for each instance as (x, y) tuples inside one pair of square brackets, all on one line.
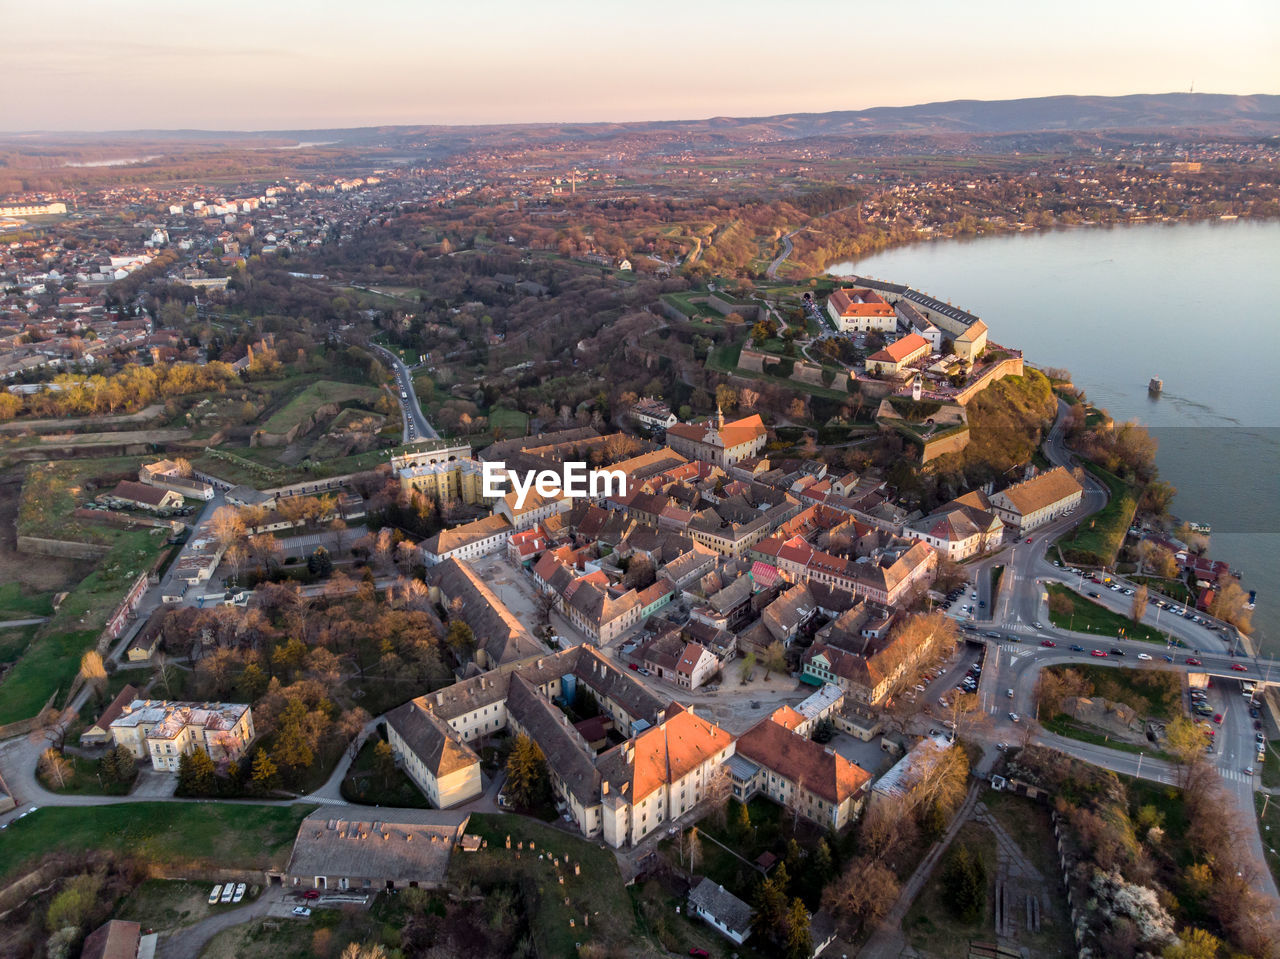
[(221, 835), (1064, 725), (53, 660), (930, 927), (363, 785), (14, 641), (1096, 541), (1175, 589), (1271, 767), (84, 780), (597, 894), (16, 603), (325, 933), (1089, 617), (163, 904), (313, 396), (1151, 693), (1269, 826), (509, 422)]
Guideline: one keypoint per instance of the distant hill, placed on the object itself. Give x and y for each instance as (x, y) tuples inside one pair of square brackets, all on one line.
[(1011, 124)]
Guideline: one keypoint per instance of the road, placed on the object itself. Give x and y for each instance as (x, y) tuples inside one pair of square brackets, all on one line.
[(416, 425), (1019, 624)]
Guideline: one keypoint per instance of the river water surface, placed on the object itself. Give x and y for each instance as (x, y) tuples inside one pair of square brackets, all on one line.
[(1197, 304)]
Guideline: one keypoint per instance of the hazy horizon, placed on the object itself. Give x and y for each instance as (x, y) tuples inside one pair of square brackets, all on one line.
[(323, 65)]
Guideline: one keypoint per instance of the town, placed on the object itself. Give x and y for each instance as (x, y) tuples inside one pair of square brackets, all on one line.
[(443, 560)]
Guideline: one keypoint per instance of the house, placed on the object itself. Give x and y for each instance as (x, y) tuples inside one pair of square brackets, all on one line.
[(119, 939), (721, 910), (1039, 500), (773, 757), (165, 731), (891, 360), (499, 635), (653, 413), (957, 530), (410, 848), (901, 781), (859, 310), (717, 442), (865, 664), (911, 320), (100, 732), (971, 342), (467, 541), (139, 496)]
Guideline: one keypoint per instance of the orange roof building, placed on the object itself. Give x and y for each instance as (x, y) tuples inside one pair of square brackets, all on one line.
[(718, 442), (859, 310), (891, 360)]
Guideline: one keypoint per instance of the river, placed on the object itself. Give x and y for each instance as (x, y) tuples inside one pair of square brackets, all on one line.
[(1197, 304)]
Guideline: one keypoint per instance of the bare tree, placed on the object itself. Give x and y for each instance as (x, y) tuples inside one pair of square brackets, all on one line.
[(1139, 607), (93, 672), (54, 767)]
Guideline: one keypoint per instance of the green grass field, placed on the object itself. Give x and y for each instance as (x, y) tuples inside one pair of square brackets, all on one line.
[(1152, 693), (16, 603), (52, 661), (1096, 541), (313, 396), (509, 422), (598, 892), (1086, 616), (239, 835)]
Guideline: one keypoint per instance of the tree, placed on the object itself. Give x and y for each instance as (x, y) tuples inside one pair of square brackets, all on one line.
[(775, 659), (965, 880), (797, 943), (265, 772), (1194, 943), (195, 774), (384, 762), (119, 765), (1184, 741), (227, 526), (355, 950), (748, 667), (1139, 608), (73, 904), (526, 772), (319, 563), (55, 768), (1231, 605), (93, 672), (691, 850), (864, 892), (460, 637)]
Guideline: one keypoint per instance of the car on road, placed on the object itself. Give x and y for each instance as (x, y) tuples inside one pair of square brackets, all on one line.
[(1049, 643), (1257, 724), (1002, 746), (1093, 595), (1117, 651), (1030, 539), (1099, 653), (1014, 717), (1037, 626), (1217, 718), (1077, 648), (302, 911), (1248, 770), (635, 666), (1145, 657), (1240, 667), (311, 894), (213, 896), (1192, 661), (1009, 693), (1168, 659), (943, 703)]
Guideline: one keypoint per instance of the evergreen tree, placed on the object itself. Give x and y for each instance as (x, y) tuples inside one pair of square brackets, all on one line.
[(320, 563), (797, 943), (264, 772), (526, 771), (195, 774), (771, 909), (965, 879)]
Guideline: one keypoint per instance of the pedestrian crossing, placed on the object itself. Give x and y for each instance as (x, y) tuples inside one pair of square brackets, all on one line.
[(1235, 775), (326, 800)]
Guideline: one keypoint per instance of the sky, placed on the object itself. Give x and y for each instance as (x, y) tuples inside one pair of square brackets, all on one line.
[(300, 64)]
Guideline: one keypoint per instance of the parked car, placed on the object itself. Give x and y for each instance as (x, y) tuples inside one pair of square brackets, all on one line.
[(1217, 718), (227, 892), (696, 951), (302, 911), (239, 894), (1013, 717), (1093, 594), (213, 896), (1002, 746), (311, 894)]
